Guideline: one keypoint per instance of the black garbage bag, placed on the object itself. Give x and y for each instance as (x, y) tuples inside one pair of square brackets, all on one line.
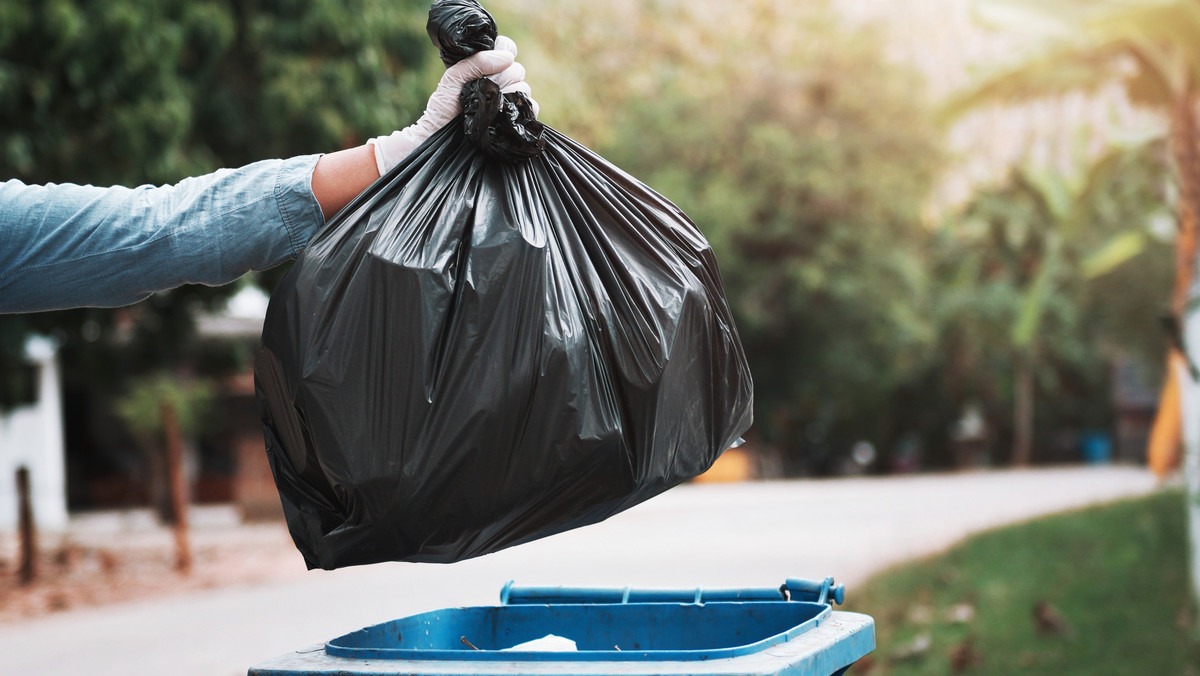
[(503, 338)]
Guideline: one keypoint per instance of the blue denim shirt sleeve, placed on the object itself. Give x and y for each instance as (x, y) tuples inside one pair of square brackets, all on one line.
[(65, 245)]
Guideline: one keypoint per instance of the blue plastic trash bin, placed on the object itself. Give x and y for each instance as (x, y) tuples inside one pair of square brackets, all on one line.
[(791, 629), (1097, 448)]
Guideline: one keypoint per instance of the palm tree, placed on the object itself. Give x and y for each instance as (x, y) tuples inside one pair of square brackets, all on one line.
[(1036, 243), (1151, 48)]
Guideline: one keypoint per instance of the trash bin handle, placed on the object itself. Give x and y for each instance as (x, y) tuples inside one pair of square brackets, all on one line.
[(794, 589), (825, 591)]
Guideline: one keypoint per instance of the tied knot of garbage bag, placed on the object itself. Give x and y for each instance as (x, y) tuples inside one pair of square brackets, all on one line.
[(500, 125), (460, 28)]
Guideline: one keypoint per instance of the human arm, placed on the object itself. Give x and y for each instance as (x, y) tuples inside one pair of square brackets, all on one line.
[(64, 246), (339, 177)]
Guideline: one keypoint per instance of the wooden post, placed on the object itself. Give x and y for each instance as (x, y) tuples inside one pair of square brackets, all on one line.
[(177, 486), (27, 570), (1023, 389)]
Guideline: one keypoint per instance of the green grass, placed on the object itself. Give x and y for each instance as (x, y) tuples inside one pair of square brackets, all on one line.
[(1115, 575)]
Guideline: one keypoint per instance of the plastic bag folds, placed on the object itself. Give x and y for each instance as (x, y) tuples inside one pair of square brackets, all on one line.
[(459, 28), (503, 338), (478, 353)]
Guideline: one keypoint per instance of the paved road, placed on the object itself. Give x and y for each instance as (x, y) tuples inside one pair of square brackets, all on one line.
[(715, 535)]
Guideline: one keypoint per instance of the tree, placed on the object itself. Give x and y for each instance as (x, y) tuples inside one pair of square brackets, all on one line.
[(142, 411), (1151, 48), (804, 156), (149, 91), (1016, 267), (136, 91)]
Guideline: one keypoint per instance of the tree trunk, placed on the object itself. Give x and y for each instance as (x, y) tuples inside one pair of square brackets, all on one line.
[(27, 569), (1186, 154), (1023, 385), (178, 488)]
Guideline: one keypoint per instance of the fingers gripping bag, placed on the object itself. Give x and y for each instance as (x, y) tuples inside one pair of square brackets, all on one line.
[(503, 338)]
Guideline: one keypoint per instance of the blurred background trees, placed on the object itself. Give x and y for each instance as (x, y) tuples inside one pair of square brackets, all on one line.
[(805, 162), (888, 329), (811, 157), (1151, 50), (133, 92), (1044, 281)]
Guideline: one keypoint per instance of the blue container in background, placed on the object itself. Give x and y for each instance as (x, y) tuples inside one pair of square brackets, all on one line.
[(1096, 447), (789, 630)]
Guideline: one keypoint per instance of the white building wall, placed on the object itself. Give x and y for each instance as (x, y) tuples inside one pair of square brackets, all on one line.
[(32, 436)]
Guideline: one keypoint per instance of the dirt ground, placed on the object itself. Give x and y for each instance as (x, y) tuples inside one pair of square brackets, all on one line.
[(117, 557)]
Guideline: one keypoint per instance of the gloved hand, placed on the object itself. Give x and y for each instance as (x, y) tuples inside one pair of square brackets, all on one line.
[(498, 64)]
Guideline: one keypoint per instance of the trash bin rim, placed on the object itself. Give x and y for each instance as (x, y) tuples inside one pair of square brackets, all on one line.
[(821, 612)]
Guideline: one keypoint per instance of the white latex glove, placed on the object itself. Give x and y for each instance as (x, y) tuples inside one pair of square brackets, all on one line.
[(498, 64)]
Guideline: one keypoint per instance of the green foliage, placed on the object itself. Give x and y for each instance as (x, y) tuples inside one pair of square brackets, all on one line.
[(1019, 283), (151, 91), (1115, 253), (805, 161), (1115, 580), (15, 376), (132, 91), (141, 409), (1151, 47), (803, 154)]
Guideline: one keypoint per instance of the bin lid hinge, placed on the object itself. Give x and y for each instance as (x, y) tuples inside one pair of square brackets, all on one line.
[(819, 591)]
